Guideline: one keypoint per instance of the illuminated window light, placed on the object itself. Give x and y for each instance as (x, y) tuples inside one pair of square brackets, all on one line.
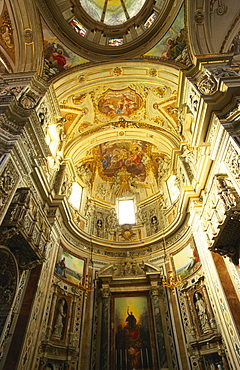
[(150, 20), (78, 27), (112, 41), (126, 212), (75, 196)]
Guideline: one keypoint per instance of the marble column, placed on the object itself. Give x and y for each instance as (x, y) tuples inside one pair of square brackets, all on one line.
[(104, 351), (158, 326), (51, 315)]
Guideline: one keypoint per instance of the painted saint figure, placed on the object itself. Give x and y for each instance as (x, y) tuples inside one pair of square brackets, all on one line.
[(131, 319), (62, 267)]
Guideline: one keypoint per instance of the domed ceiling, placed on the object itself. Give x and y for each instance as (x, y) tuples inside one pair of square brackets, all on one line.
[(98, 30)]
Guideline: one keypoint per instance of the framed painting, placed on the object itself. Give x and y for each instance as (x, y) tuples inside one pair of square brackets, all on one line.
[(186, 261), (131, 333), (70, 267)]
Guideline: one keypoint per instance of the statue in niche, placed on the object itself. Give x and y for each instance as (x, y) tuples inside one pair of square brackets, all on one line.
[(112, 221), (177, 182), (163, 167), (201, 310), (60, 319), (188, 156), (99, 226), (66, 188), (85, 173)]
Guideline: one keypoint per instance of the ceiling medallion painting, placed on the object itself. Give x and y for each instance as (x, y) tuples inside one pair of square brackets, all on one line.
[(119, 102)]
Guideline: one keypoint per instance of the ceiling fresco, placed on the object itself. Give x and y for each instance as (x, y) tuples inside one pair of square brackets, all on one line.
[(6, 32), (121, 168), (174, 43), (124, 102), (120, 135), (57, 57), (133, 106)]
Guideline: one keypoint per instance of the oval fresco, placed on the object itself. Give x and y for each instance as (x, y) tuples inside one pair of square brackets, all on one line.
[(119, 102)]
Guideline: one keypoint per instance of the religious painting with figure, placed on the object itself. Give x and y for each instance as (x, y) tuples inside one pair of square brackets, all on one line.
[(186, 261), (69, 267), (119, 102), (131, 333), (132, 157)]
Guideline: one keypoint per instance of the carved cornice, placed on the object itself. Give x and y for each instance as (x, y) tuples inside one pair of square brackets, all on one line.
[(13, 117), (129, 267)]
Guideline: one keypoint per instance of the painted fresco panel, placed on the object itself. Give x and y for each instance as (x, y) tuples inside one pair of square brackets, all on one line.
[(132, 333), (69, 267), (57, 56), (186, 261), (173, 43), (119, 102), (131, 156)]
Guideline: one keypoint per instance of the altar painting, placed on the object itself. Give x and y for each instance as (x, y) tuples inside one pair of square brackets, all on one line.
[(69, 267), (131, 333), (186, 261), (119, 102)]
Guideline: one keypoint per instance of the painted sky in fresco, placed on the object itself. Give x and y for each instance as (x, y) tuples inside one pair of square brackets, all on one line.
[(74, 267), (186, 261), (162, 48)]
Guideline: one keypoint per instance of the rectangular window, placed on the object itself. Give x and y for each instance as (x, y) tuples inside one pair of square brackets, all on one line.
[(75, 196), (126, 212)]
